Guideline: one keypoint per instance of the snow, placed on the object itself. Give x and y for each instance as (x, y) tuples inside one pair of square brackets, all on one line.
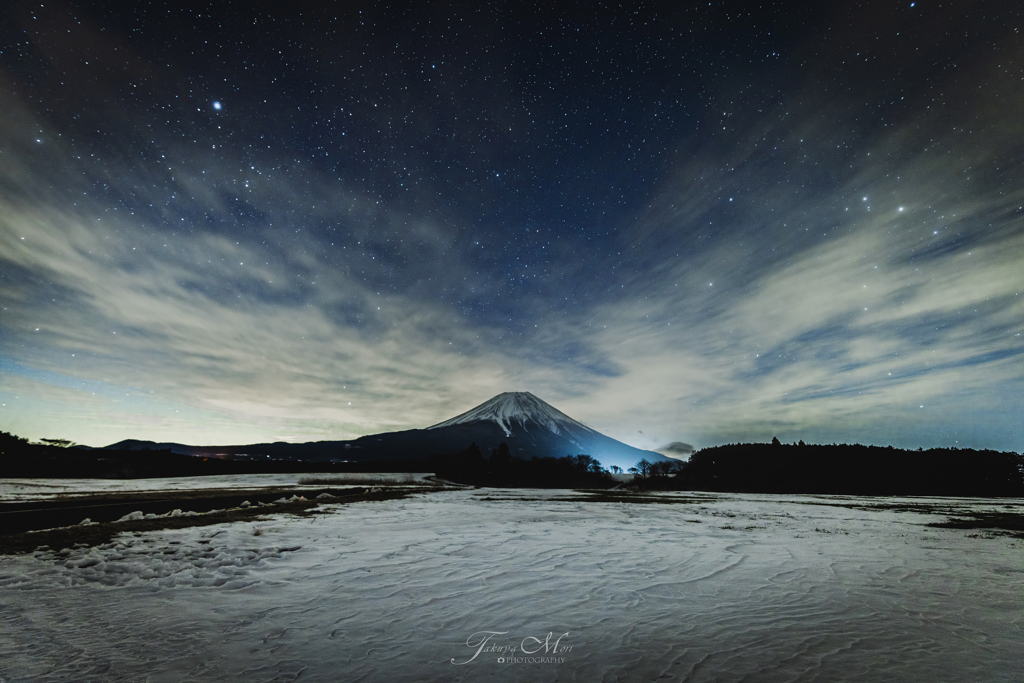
[(40, 489), (713, 587), (521, 407), (139, 515)]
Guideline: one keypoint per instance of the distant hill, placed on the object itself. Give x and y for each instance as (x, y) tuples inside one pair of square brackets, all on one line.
[(19, 458), (531, 427)]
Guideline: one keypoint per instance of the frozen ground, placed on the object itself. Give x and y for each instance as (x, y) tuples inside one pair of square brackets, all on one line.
[(41, 489), (711, 588)]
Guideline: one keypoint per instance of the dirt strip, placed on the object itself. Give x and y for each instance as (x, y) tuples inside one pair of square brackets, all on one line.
[(26, 541), (61, 511)]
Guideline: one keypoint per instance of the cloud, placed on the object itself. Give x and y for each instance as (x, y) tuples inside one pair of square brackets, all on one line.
[(298, 331), (676, 449), (884, 306), (16, 386), (187, 323), (822, 269)]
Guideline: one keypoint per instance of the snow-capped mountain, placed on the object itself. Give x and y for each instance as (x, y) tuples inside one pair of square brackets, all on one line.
[(530, 427), (519, 408), (533, 428)]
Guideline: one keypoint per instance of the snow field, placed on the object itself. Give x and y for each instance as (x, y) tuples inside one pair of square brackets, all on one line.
[(724, 588)]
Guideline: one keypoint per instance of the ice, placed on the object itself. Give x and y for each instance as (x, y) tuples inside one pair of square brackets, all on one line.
[(709, 588)]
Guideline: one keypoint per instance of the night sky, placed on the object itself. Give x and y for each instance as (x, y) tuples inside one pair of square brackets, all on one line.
[(699, 223)]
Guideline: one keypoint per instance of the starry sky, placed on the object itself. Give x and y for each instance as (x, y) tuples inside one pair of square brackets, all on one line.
[(677, 222)]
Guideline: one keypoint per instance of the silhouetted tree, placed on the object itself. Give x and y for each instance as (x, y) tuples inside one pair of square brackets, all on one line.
[(469, 461), (662, 468), (500, 456), (59, 443), (584, 464), (12, 446), (642, 469), (8, 438)]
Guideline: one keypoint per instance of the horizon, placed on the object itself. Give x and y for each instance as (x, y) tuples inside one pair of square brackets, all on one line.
[(696, 225), (667, 455)]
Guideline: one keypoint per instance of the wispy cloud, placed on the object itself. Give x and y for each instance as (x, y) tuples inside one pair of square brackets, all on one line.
[(898, 303), (810, 267)]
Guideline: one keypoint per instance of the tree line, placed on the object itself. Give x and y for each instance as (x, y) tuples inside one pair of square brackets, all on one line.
[(852, 469), (470, 466)]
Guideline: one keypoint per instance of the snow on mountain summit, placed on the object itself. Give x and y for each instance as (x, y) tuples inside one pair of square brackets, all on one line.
[(519, 407)]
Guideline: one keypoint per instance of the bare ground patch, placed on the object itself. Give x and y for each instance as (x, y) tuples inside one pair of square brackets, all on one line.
[(103, 532), (1004, 523)]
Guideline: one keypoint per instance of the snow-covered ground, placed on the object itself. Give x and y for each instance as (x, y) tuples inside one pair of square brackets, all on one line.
[(466, 585), (40, 489)]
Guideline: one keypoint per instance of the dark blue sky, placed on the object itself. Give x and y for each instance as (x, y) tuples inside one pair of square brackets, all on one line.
[(697, 222)]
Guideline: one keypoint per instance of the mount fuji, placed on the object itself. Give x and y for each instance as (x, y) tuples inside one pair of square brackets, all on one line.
[(531, 427)]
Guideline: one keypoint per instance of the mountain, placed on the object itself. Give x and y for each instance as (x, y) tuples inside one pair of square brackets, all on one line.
[(137, 445), (530, 427), (533, 428), (519, 408)]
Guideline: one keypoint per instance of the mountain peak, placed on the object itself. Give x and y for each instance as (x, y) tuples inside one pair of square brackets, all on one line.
[(517, 407)]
